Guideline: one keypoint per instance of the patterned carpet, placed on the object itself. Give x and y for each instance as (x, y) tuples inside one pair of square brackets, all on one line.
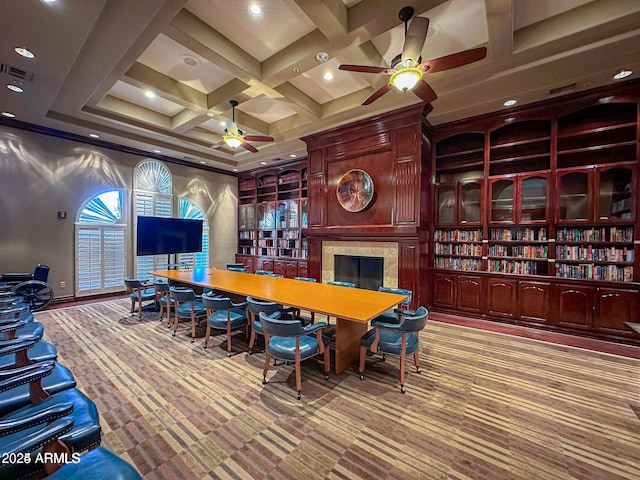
[(486, 406)]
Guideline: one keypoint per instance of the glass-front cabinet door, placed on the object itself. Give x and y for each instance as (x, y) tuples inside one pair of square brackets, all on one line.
[(502, 196), (574, 200), (470, 202), (446, 204), (615, 196), (533, 199)]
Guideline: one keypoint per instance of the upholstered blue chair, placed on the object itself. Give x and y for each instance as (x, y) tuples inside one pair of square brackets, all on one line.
[(223, 314), (97, 460), (342, 284), (163, 297), (312, 280), (393, 314), (140, 292), (289, 341), (235, 267), (399, 339), (20, 313), (276, 275), (263, 272), (38, 349), (254, 307), (84, 434), (187, 305)]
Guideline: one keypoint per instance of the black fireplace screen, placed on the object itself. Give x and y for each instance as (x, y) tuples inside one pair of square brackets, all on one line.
[(365, 272)]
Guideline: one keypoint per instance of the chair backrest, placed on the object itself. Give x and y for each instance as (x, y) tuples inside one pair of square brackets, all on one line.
[(277, 275), (132, 283), (182, 294), (235, 267), (399, 291), (342, 284), (41, 273), (262, 272), (414, 323), (216, 302), (161, 286), (256, 306), (272, 326), (305, 279)]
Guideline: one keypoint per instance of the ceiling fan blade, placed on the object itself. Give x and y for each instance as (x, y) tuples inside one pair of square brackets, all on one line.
[(425, 92), (258, 138), (454, 60), (377, 94), (248, 146), (367, 69), (414, 40)]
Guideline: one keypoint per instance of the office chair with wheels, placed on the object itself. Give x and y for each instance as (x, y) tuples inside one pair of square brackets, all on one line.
[(393, 314), (187, 305), (399, 339), (289, 341)]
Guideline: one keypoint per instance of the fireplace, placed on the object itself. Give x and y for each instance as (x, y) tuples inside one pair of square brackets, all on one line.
[(386, 251), (364, 272)]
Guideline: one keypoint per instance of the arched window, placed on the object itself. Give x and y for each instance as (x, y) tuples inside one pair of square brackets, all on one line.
[(153, 197), (189, 210), (100, 245)]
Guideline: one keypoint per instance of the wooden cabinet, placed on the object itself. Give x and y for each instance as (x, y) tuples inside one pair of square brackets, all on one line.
[(519, 199), (444, 290), (501, 297), (286, 268), (533, 300), (272, 212), (458, 292), (574, 305), (459, 203), (614, 307)]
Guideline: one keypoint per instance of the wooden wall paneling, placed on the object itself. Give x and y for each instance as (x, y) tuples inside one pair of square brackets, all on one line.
[(407, 190), (317, 203), (363, 146), (408, 265), (315, 161), (314, 259)]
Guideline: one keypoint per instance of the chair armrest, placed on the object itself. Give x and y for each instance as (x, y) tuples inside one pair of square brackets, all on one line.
[(314, 326), (7, 347), (381, 324), (7, 326), (239, 305), (48, 415), (406, 313), (40, 371), (12, 372), (39, 438)]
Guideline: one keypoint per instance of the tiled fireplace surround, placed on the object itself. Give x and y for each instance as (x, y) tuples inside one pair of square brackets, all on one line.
[(386, 250)]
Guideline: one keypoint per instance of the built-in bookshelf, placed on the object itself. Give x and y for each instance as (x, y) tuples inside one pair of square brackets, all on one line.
[(272, 212), (458, 249), (595, 253), (522, 250)]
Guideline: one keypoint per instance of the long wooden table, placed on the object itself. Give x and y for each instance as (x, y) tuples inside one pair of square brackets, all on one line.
[(352, 307)]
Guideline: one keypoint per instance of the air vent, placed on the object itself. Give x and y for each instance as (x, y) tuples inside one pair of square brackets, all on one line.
[(563, 89), (16, 72)]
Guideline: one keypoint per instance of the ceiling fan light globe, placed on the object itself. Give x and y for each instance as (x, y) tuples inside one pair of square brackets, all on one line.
[(232, 140), (406, 78)]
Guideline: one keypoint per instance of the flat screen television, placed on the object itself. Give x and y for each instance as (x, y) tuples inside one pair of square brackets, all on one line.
[(161, 235)]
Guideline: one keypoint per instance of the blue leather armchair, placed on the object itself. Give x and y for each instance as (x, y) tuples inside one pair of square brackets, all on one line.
[(223, 314), (140, 292), (163, 297), (399, 339), (289, 341), (187, 305), (393, 314)]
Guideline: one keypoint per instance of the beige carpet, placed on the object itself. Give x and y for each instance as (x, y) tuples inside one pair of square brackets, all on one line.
[(486, 406)]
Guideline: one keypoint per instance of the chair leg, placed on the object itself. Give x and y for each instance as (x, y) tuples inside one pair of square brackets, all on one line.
[(206, 335), (228, 338), (175, 324), (140, 306), (403, 357), (298, 376), (416, 361), (252, 341), (363, 354), (193, 326), (266, 368), (327, 363), (133, 307)]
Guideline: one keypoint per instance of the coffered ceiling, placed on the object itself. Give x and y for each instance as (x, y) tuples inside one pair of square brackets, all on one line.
[(97, 60)]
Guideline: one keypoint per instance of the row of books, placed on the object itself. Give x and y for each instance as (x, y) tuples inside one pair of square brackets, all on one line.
[(525, 251), (470, 249), (458, 263), (458, 235), (589, 271), (611, 254), (603, 234), (529, 234), (510, 266)]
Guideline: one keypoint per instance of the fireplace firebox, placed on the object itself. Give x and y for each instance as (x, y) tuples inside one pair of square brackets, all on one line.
[(365, 272)]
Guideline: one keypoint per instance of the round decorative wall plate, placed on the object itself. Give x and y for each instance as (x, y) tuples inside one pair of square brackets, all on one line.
[(355, 190)]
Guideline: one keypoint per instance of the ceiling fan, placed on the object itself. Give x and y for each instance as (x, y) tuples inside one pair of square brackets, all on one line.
[(234, 138), (407, 68)]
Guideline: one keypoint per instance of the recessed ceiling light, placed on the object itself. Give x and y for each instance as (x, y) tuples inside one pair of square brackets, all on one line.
[(149, 94), (157, 151), (328, 76), (223, 122), (15, 88), (255, 10), (25, 52), (94, 135), (202, 162), (263, 163), (189, 60), (209, 114), (510, 103), (293, 155), (296, 70), (8, 114), (49, 1), (235, 169), (622, 74)]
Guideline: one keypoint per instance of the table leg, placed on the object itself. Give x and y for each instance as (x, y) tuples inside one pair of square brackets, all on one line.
[(348, 334)]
